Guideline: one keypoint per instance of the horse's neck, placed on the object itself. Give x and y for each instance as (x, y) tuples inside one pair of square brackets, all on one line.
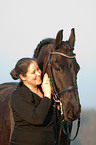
[(43, 56)]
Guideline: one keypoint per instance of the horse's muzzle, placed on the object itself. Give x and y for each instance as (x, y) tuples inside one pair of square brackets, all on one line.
[(72, 114)]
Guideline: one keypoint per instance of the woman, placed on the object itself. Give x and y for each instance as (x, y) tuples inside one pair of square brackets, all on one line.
[(31, 106)]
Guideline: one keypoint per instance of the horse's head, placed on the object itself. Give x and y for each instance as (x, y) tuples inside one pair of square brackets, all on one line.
[(64, 70), (58, 56)]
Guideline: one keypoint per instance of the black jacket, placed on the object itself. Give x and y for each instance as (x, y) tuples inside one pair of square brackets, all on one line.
[(33, 117)]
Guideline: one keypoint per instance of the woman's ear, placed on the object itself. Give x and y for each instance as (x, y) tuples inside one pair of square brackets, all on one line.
[(22, 77)]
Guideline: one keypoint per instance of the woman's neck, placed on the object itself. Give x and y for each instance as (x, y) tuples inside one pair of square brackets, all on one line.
[(31, 87), (34, 89)]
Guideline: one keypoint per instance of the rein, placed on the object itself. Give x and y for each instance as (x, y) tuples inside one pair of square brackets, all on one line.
[(68, 133), (56, 96)]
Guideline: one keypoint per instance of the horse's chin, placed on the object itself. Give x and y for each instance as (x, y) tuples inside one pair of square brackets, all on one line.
[(70, 117)]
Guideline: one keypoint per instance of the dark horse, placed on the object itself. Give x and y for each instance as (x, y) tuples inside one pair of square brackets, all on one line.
[(55, 57)]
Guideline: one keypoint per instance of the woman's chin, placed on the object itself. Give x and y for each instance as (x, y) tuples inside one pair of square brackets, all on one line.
[(39, 83)]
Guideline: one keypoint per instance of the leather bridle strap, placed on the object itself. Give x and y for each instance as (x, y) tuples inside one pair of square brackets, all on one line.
[(56, 93), (53, 85), (68, 89), (62, 54), (52, 80), (68, 133)]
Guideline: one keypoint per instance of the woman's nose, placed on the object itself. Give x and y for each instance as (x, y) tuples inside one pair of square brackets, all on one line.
[(38, 73)]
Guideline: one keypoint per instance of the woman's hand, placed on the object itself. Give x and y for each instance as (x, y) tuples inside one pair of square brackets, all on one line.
[(46, 87)]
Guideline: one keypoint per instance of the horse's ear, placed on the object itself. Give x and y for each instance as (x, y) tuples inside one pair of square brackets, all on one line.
[(59, 38), (72, 38)]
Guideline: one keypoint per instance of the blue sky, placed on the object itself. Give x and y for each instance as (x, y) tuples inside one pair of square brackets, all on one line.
[(24, 23)]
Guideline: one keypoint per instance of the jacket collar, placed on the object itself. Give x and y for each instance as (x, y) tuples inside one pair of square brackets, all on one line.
[(27, 93)]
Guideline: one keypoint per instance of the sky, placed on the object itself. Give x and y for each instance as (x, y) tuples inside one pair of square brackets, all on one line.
[(24, 23)]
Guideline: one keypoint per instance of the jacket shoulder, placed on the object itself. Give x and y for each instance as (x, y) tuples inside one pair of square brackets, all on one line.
[(22, 93)]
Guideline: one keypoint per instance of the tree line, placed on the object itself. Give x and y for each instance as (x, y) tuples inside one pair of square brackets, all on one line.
[(87, 132)]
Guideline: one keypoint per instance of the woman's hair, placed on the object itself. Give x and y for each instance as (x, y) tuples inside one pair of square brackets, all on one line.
[(21, 67)]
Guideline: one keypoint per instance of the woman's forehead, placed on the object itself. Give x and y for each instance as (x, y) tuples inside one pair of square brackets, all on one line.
[(33, 66)]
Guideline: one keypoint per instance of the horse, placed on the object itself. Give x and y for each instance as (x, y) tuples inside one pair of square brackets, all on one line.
[(55, 57)]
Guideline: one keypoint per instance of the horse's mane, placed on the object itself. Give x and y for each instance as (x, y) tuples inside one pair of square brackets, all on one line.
[(41, 44)]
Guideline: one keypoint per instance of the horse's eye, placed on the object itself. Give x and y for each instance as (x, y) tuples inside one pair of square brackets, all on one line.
[(56, 67)]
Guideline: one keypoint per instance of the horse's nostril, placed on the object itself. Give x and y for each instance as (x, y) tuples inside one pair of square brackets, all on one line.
[(70, 113)]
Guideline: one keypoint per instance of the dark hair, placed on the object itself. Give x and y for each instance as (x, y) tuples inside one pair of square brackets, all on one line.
[(21, 67)]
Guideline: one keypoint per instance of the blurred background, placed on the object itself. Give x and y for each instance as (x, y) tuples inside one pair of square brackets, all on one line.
[(24, 23)]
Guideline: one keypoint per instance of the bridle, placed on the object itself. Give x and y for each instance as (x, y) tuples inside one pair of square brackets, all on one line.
[(57, 94)]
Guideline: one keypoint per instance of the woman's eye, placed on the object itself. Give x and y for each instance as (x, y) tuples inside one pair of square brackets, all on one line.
[(33, 72), (38, 69)]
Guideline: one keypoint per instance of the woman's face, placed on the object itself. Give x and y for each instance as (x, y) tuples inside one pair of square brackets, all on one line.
[(33, 76)]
